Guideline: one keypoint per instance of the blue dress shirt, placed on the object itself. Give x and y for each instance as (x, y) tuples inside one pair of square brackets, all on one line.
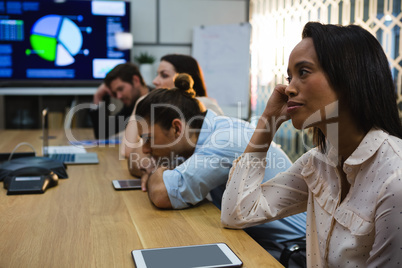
[(221, 140)]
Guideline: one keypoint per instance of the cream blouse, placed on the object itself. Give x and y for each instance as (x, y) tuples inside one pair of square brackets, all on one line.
[(365, 230)]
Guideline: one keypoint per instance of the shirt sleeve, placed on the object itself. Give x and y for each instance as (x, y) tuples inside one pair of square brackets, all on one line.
[(246, 202), (387, 246), (190, 182)]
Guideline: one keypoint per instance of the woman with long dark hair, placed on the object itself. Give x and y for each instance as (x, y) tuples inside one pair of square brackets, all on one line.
[(340, 85)]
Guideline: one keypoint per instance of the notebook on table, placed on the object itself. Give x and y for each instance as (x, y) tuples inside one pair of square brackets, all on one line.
[(69, 154)]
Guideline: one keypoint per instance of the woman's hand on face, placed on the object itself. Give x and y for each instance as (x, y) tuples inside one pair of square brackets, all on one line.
[(276, 107)]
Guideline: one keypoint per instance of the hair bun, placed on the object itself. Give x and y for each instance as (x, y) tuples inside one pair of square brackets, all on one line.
[(184, 82)]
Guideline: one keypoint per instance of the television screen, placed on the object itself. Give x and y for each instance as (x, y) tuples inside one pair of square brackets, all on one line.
[(60, 43)]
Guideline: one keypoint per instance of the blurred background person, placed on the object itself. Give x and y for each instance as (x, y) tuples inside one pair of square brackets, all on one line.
[(123, 82)]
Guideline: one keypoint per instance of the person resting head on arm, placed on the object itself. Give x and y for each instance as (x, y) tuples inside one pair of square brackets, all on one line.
[(192, 148), (175, 127), (169, 66), (340, 85)]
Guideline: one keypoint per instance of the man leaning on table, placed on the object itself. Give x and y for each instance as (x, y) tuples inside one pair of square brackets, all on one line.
[(123, 82), (175, 127)]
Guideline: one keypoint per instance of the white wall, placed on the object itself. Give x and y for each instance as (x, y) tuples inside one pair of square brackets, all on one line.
[(166, 26)]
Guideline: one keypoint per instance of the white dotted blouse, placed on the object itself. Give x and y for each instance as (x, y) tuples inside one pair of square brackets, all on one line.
[(364, 230)]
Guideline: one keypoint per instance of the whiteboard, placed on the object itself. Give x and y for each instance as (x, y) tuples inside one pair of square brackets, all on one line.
[(223, 52)]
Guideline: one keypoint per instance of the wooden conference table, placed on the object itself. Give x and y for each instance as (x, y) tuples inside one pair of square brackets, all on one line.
[(84, 222)]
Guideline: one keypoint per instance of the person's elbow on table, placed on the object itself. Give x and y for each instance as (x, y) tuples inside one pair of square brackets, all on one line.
[(230, 218), (229, 222)]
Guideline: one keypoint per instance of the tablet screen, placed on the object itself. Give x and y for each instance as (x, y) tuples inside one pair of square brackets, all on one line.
[(183, 257)]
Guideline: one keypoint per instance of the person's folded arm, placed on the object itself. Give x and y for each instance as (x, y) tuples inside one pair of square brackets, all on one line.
[(131, 147), (131, 141), (189, 183), (101, 91), (246, 202)]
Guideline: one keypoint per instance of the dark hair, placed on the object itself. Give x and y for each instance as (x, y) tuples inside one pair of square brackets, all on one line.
[(182, 97), (189, 65), (357, 69), (125, 72)]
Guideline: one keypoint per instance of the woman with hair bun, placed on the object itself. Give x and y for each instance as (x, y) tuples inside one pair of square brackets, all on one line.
[(192, 148), (169, 66)]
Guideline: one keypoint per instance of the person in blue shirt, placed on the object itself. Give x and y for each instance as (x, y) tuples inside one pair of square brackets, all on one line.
[(192, 150)]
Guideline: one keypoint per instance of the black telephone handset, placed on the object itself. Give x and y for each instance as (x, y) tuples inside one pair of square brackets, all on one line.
[(30, 180)]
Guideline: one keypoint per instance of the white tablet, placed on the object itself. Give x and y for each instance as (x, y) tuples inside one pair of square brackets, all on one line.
[(201, 256)]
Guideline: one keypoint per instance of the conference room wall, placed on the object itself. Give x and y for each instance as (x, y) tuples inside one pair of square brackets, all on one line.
[(160, 27)]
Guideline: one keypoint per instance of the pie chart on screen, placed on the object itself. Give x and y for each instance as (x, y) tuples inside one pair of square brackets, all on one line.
[(56, 38)]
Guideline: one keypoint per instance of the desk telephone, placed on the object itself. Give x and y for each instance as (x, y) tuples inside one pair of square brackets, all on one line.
[(30, 180), (31, 175)]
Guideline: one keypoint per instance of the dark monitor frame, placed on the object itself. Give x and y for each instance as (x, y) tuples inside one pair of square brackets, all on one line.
[(58, 82)]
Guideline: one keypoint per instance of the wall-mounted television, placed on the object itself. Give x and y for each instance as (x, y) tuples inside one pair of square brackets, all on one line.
[(60, 42)]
